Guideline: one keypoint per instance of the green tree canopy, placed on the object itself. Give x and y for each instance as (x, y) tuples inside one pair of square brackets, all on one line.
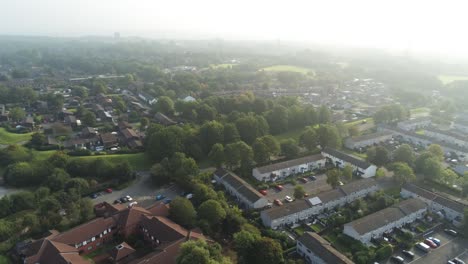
[(182, 212)]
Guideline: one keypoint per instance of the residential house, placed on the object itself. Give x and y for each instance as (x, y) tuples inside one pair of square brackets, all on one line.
[(131, 138), (3, 114), (163, 235), (450, 209), (284, 169), (316, 250), (28, 122), (374, 225), (109, 140), (147, 98), (341, 159), (424, 141), (88, 132), (162, 119), (414, 124), (246, 195), (302, 209), (368, 140), (448, 136), (72, 121), (188, 99)]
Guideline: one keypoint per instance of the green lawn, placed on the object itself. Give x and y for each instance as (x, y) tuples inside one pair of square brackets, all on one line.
[(4, 260), (446, 79), (7, 138), (139, 161), (288, 68), (294, 134)]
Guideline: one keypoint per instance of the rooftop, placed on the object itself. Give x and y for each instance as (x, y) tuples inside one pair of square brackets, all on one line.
[(452, 204), (348, 158), (289, 163), (323, 249)]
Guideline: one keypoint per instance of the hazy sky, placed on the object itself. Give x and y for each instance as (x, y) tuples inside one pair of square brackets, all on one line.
[(419, 25)]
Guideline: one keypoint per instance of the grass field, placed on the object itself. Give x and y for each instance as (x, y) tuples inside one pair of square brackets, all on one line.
[(288, 68), (7, 138), (139, 161), (222, 66), (4, 260), (368, 120), (446, 79)]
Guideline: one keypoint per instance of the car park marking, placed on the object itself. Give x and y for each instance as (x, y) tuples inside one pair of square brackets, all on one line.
[(434, 249)]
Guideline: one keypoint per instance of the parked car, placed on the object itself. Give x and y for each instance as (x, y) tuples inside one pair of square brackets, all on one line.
[(159, 197), (123, 200), (430, 243), (304, 180), (108, 190), (313, 178), (167, 201), (93, 196), (278, 202), (423, 247), (451, 232), (408, 253), (132, 204), (397, 259), (279, 187), (264, 192), (458, 261), (451, 262), (117, 201), (306, 195), (189, 196), (129, 198), (435, 240), (288, 199)]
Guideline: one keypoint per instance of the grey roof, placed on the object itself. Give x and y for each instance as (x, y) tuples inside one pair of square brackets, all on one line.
[(452, 204), (447, 133), (348, 158), (287, 209), (331, 195), (289, 163), (358, 185), (371, 136), (323, 249), (242, 187), (386, 216), (414, 121)]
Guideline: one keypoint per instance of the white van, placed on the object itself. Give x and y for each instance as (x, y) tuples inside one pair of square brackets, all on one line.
[(423, 247)]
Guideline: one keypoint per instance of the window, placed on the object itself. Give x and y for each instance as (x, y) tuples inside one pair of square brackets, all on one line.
[(93, 239), (89, 248)]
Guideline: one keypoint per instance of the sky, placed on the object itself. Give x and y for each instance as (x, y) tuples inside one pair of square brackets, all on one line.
[(433, 25)]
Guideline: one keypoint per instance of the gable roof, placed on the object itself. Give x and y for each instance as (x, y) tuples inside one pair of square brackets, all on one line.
[(163, 229), (242, 187), (371, 136), (289, 163), (121, 251), (55, 252), (287, 209), (85, 231), (388, 215), (442, 200), (129, 133), (348, 158), (323, 249), (131, 216)]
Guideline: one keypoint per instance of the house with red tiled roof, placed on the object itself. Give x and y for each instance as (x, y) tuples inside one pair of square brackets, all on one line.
[(161, 233)]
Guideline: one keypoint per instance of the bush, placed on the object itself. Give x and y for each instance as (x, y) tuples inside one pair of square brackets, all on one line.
[(80, 152), (384, 252)]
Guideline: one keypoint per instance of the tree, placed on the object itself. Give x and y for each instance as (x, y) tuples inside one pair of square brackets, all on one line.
[(202, 193), (403, 173), (144, 122), (57, 180), (211, 132), (20, 174), (278, 119), (299, 192), (244, 243), (353, 131), (199, 252), (309, 138), (333, 177), (436, 151), (17, 114), (266, 250), (251, 127), (88, 118), (38, 139), (165, 105), (238, 153), (231, 134), (378, 155), (289, 148), (324, 115), (47, 205), (432, 168), (328, 136), (182, 212), (216, 155), (58, 160), (80, 185), (212, 212), (404, 153), (260, 150), (348, 172)]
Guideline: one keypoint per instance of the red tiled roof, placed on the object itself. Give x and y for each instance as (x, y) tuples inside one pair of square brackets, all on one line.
[(131, 216), (121, 251), (85, 231), (163, 229), (166, 256)]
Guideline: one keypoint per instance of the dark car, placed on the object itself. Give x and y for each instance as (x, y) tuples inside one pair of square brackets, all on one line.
[(313, 178), (93, 196), (167, 201), (159, 197), (123, 200), (408, 253), (451, 232), (397, 259), (117, 201)]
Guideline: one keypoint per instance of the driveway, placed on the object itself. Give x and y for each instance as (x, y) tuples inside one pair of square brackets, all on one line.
[(311, 187), (143, 191)]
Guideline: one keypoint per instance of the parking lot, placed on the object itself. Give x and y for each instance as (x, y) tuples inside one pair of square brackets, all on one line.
[(450, 248), (311, 187)]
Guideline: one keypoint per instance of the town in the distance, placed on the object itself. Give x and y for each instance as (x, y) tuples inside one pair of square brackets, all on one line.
[(138, 151)]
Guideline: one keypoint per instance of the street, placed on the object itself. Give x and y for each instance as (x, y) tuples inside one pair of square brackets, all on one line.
[(142, 191)]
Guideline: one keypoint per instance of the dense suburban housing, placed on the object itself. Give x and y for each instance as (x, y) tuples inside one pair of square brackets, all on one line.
[(245, 194), (339, 159), (450, 209), (368, 140), (291, 213), (284, 169), (447, 136), (374, 225), (115, 220), (423, 140), (461, 124), (414, 124), (315, 249)]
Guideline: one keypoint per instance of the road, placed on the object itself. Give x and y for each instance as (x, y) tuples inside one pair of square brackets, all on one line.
[(311, 187), (143, 191)]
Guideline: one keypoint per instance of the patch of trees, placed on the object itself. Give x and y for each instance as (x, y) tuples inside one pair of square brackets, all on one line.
[(391, 113)]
